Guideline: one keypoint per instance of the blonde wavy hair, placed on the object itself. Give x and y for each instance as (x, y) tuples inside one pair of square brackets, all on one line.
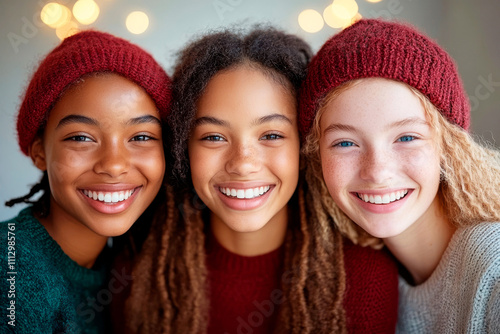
[(470, 173)]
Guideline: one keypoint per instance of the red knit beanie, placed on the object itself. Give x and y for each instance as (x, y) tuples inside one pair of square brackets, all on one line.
[(81, 54), (376, 48)]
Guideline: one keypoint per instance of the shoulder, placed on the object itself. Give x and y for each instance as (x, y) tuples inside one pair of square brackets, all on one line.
[(479, 245), (24, 224), (473, 259)]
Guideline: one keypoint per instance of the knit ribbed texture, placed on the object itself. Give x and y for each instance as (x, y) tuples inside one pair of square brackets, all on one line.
[(371, 297), (81, 54), (470, 272), (245, 292), (241, 290), (375, 48), (52, 291)]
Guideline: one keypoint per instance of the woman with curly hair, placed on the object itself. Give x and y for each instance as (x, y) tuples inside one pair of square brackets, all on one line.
[(386, 119), (240, 248)]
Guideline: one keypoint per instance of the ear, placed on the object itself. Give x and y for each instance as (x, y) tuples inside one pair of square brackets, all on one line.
[(37, 154)]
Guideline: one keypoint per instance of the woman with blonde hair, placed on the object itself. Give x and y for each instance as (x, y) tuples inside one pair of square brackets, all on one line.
[(385, 118)]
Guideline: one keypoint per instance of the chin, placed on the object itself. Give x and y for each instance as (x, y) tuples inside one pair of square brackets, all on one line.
[(246, 227), (112, 231)]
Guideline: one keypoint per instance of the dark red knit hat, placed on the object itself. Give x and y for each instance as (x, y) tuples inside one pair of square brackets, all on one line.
[(376, 48), (83, 53)]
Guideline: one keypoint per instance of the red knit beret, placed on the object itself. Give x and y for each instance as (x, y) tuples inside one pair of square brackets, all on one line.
[(81, 54), (376, 48)]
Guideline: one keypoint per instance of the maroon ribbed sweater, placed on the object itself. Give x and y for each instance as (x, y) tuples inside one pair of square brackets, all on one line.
[(245, 291)]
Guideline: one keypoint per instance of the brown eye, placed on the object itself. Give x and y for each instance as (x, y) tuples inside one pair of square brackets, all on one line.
[(78, 138), (142, 138)]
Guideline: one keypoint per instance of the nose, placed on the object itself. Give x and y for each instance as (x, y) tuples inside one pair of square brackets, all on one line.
[(377, 166), (243, 160), (113, 159)]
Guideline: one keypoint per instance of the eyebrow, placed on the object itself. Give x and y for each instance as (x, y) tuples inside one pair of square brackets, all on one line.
[(270, 118), (209, 120), (338, 127), (409, 121), (259, 121), (91, 121), (144, 119), (76, 119), (403, 122)]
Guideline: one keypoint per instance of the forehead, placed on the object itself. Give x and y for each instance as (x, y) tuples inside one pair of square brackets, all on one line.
[(375, 98), (104, 96), (245, 91)]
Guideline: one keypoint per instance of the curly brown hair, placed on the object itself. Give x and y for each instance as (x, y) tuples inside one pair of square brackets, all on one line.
[(169, 294)]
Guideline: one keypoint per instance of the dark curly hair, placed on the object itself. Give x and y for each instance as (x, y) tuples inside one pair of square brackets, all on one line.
[(168, 294)]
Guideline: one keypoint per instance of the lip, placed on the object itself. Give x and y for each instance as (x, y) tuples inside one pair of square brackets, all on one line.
[(111, 207), (244, 204), (382, 207)]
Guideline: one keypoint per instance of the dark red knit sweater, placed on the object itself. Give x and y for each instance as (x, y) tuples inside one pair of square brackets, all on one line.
[(245, 291)]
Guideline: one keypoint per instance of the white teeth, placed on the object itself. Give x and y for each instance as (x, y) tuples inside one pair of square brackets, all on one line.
[(244, 193), (383, 199), (386, 199), (109, 197)]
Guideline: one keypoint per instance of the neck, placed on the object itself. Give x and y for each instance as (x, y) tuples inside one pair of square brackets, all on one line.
[(267, 239), (77, 241), (420, 247)]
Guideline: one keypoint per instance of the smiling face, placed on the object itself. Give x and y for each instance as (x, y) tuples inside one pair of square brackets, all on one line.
[(244, 151), (102, 150), (379, 157)]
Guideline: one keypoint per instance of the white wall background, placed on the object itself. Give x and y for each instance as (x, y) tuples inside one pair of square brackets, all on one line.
[(468, 31)]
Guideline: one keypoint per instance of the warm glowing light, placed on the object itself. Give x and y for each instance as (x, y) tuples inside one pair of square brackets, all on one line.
[(310, 21), (355, 19), (373, 1), (137, 22), (345, 9), (55, 15), (67, 30), (85, 11), (333, 20)]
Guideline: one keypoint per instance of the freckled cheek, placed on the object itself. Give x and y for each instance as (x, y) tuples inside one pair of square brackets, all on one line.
[(423, 162), (336, 172), (67, 159)]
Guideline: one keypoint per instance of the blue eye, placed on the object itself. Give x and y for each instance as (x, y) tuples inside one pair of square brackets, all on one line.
[(344, 144), (406, 138)]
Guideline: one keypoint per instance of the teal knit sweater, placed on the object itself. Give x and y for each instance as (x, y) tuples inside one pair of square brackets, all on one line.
[(463, 293), (42, 289)]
